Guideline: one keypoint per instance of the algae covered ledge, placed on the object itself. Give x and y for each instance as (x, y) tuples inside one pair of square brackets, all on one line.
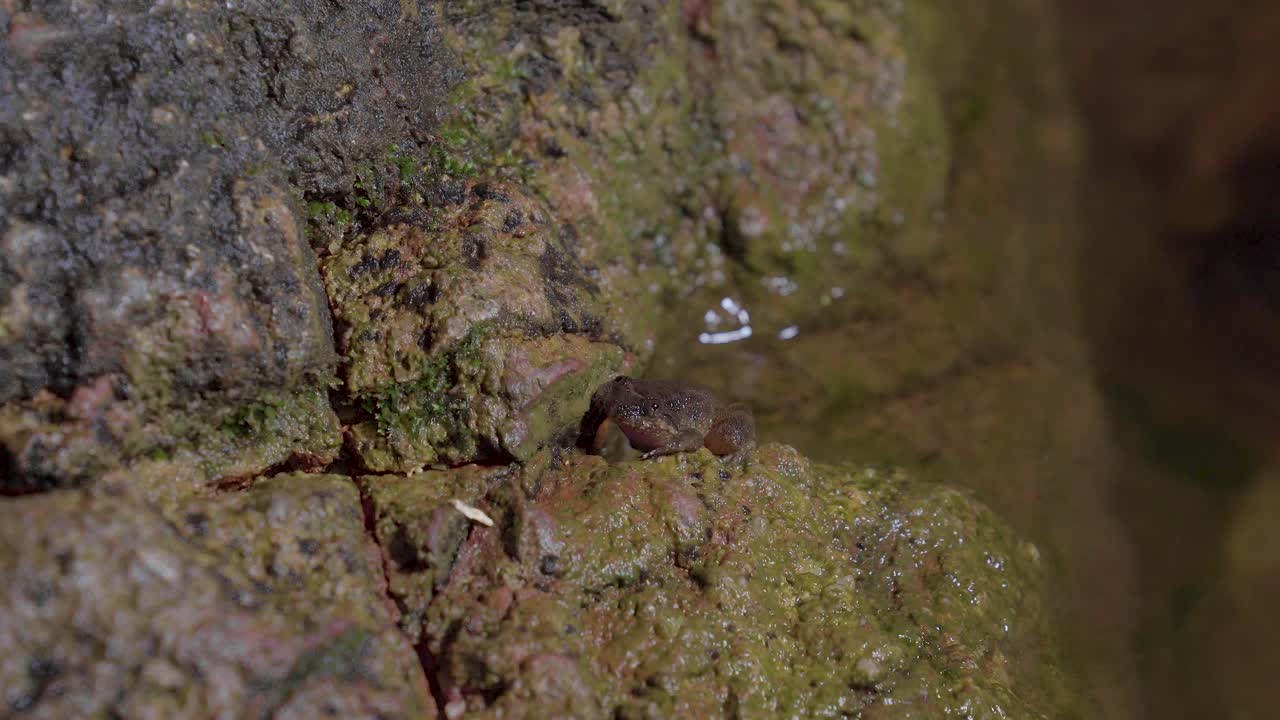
[(273, 334), (688, 586)]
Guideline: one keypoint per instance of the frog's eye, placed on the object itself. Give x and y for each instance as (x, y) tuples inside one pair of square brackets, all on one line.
[(656, 406)]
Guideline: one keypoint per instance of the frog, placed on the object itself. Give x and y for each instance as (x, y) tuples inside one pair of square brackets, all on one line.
[(665, 417)]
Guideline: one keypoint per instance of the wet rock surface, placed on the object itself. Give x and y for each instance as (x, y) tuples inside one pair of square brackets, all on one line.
[(151, 166), (694, 587), (244, 240), (420, 531), (268, 602), (479, 334), (835, 150), (599, 164)]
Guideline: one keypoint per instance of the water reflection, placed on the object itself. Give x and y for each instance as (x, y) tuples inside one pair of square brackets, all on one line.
[(731, 313)]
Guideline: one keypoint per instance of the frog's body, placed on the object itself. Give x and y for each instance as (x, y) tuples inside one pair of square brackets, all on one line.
[(663, 417)]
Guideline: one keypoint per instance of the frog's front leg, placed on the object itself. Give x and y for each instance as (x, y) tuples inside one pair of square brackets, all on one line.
[(686, 441)]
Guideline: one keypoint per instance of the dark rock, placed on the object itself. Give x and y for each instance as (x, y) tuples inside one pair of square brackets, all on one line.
[(276, 607)]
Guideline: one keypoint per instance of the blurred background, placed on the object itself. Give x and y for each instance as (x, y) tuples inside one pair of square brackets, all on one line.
[(1094, 345), (1179, 260)]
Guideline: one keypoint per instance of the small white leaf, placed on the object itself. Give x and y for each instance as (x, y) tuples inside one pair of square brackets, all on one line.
[(473, 513)]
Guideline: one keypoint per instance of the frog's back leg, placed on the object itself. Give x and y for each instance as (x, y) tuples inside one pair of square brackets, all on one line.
[(686, 441), (734, 430)]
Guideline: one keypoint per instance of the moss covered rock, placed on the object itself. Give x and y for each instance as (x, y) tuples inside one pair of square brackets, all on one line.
[(429, 231), (480, 333), (601, 163), (780, 152), (689, 586)]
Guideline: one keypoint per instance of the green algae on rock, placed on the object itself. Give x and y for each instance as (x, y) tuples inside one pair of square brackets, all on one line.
[(592, 109), (419, 530), (172, 352), (96, 432), (482, 333), (688, 587), (641, 153), (263, 603), (154, 162), (778, 150), (836, 154)]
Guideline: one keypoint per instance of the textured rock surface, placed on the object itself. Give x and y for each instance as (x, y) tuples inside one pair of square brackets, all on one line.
[(479, 334), (420, 530), (600, 162), (241, 238), (151, 160), (769, 150), (610, 162), (695, 588), (267, 602)]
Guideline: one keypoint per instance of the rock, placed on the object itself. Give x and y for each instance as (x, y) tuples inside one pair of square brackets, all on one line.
[(692, 587), (267, 602), (480, 336), (151, 166), (157, 342), (419, 531), (835, 150), (235, 237), (100, 429), (775, 152)]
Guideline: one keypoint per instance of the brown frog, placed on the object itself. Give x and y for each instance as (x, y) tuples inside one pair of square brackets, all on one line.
[(663, 417)]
